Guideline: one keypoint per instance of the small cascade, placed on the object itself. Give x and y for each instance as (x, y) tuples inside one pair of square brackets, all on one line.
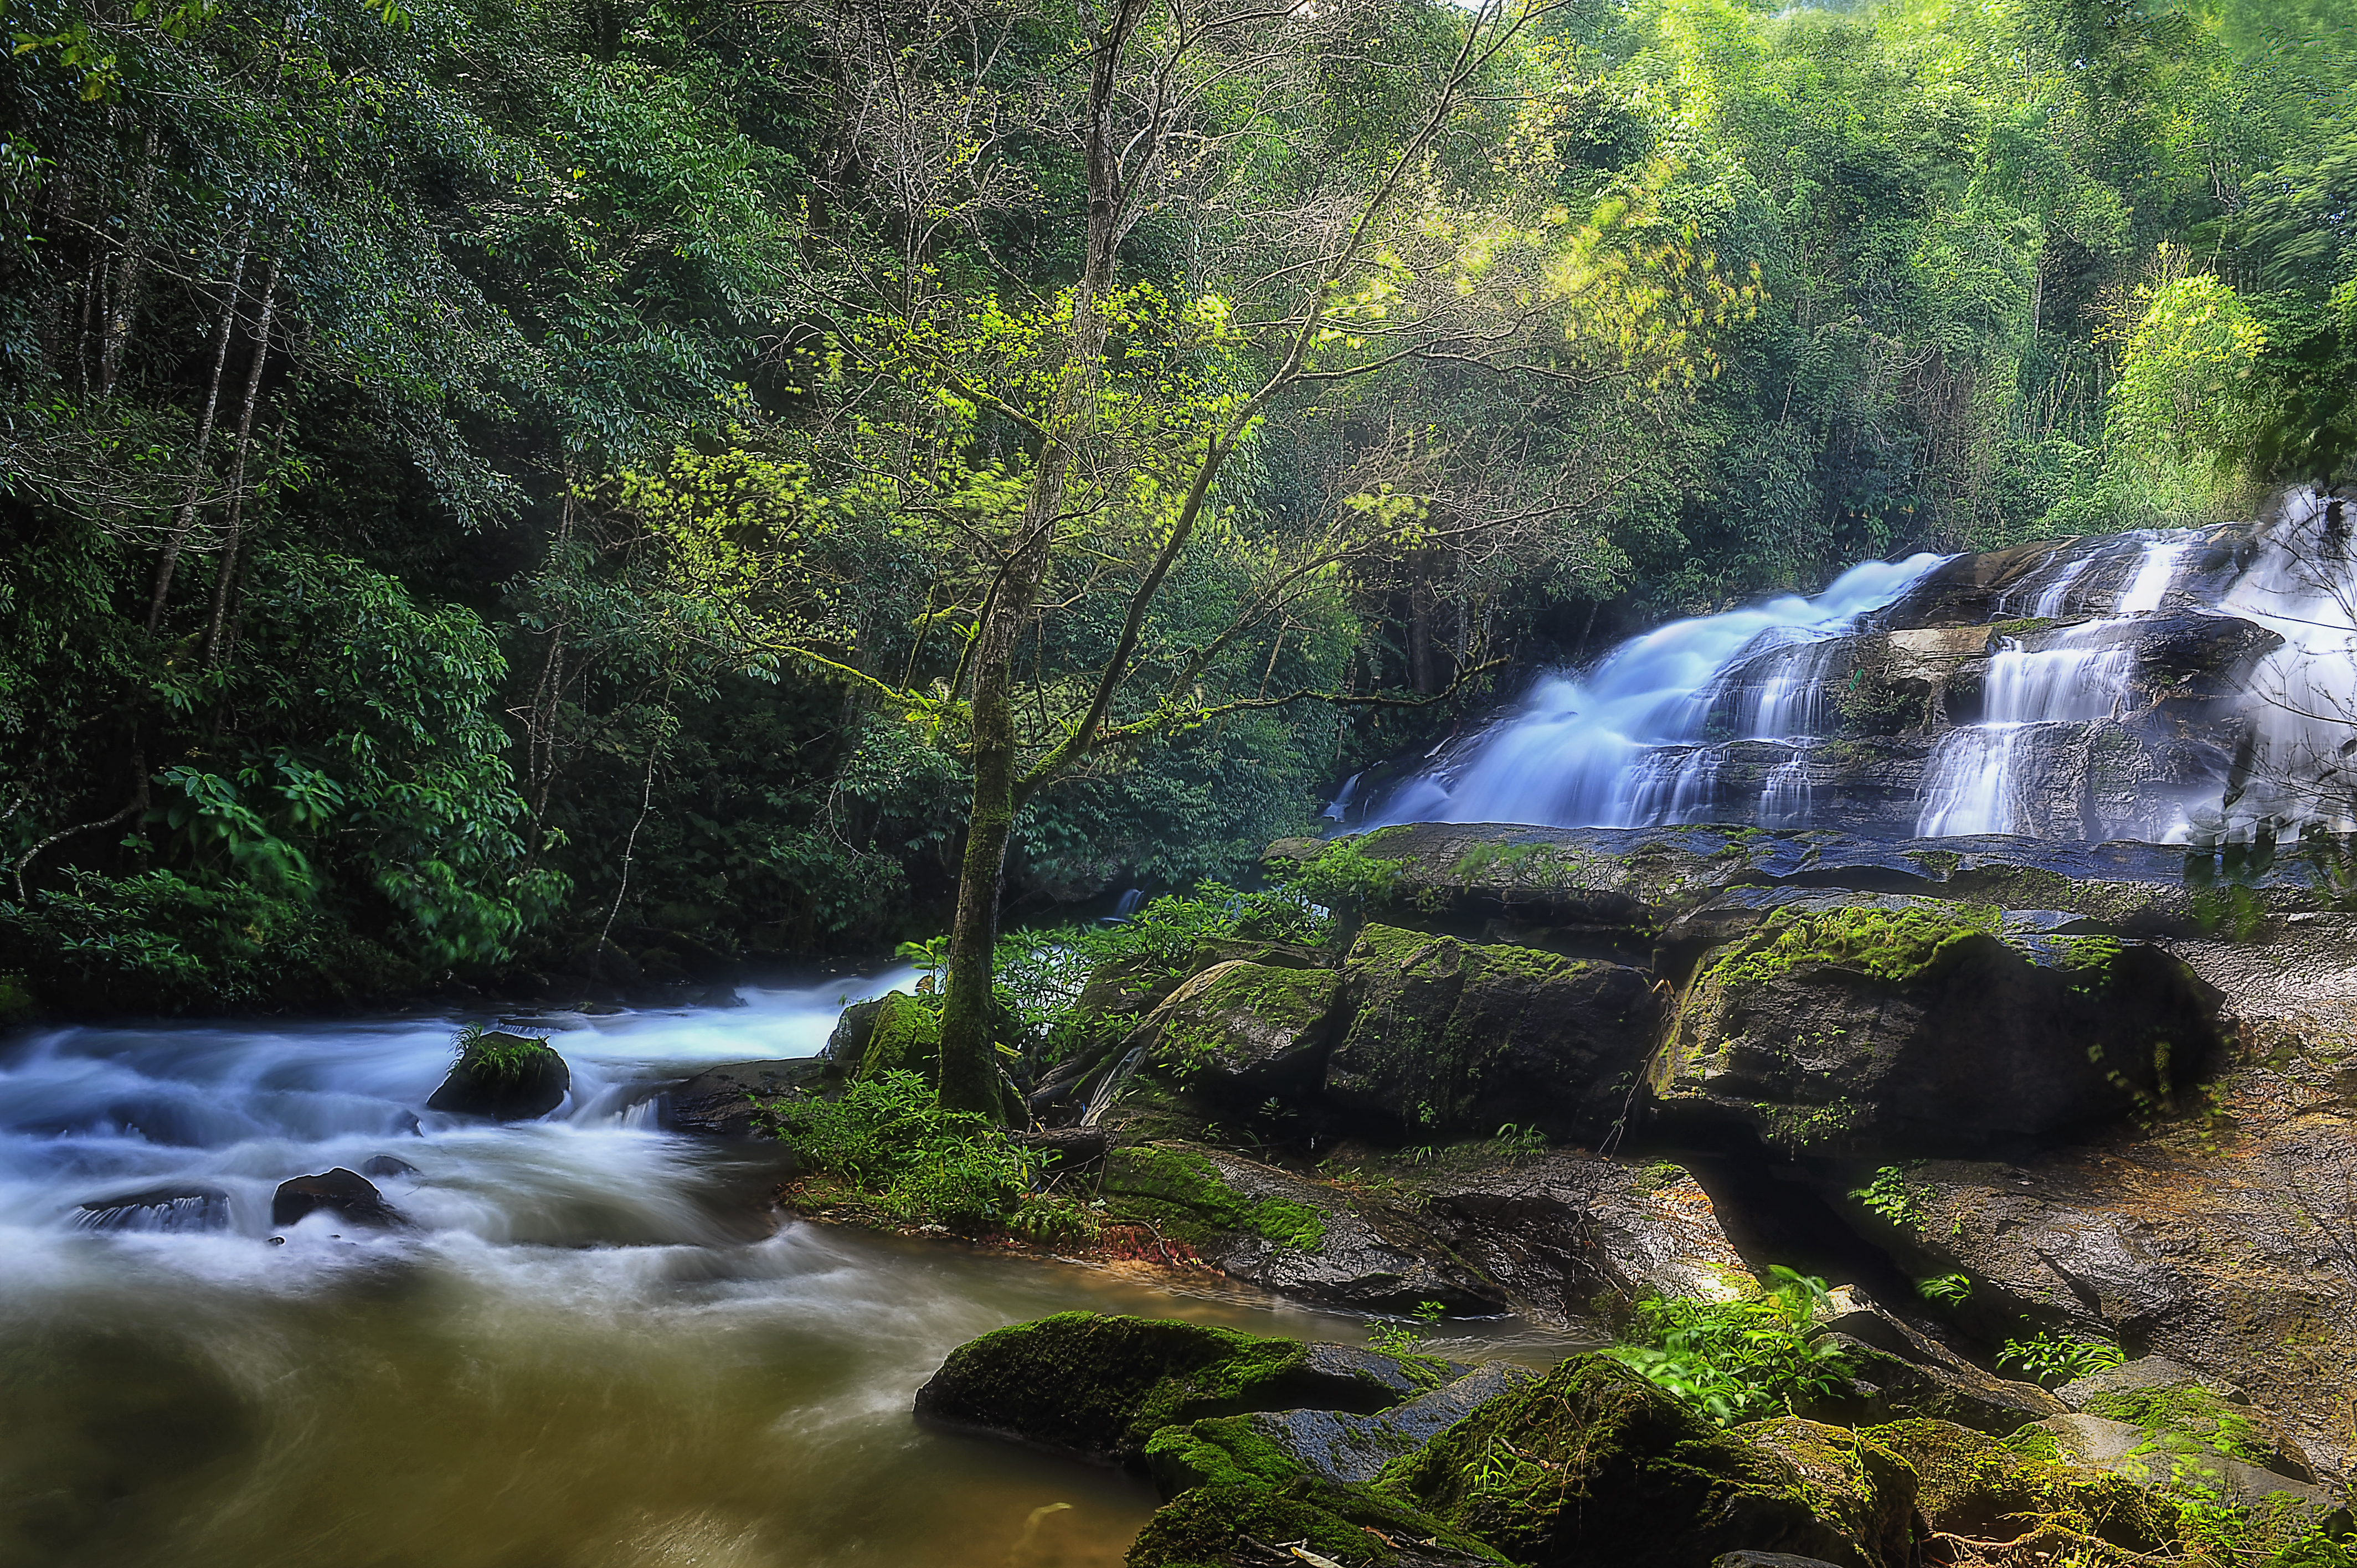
[(1938, 697)]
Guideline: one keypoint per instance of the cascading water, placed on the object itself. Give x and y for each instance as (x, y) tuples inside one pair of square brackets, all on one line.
[(1628, 745), (2095, 687)]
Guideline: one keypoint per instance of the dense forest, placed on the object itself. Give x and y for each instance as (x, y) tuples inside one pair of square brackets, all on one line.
[(494, 485)]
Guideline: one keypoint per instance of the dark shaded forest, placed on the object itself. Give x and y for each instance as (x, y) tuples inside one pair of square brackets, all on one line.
[(505, 487)]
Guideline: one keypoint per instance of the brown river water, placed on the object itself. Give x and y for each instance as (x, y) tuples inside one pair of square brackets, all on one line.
[(595, 1348)]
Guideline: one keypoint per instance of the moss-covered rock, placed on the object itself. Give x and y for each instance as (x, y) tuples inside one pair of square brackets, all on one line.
[(1103, 1386), (1448, 1039), (1592, 1465), (1972, 1485), (1865, 1031), (509, 1077), (1237, 1496), (1851, 1482), (2158, 1394), (1245, 1030), (1181, 1193)]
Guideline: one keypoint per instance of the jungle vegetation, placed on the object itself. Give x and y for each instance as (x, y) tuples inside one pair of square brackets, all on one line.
[(620, 485)]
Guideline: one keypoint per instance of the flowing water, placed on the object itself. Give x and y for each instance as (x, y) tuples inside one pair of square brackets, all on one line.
[(1726, 717), (595, 1346)]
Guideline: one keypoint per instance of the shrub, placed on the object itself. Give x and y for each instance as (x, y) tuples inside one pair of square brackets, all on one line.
[(2051, 1359), (1739, 1360)]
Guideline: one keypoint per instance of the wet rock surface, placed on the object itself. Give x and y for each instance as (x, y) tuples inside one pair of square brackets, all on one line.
[(721, 1101), (504, 1076), (349, 1196), (177, 1210)]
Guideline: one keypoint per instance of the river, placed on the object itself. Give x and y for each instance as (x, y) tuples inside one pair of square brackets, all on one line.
[(597, 1347)]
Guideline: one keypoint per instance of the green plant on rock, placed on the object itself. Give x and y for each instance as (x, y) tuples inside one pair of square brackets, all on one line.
[(1404, 1336), (1948, 1290), (1889, 1196), (2051, 1359), (886, 1151), (500, 1056), (1739, 1360), (1895, 945)]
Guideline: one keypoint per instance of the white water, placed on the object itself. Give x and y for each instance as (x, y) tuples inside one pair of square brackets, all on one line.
[(2302, 699), (595, 1345), (1621, 746)]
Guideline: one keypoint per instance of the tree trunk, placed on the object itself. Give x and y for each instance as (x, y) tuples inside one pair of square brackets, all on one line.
[(124, 305), (187, 516), (228, 569)]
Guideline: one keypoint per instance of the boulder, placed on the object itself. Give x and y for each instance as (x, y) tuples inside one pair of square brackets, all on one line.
[(1852, 1482), (1571, 1238), (1446, 1039), (1988, 1489), (1900, 1373), (383, 1166), (721, 1100), (1103, 1386), (1767, 1559), (1334, 1445), (894, 1032), (2158, 1394), (177, 1210), (1867, 1031), (2162, 1457), (1592, 1464), (1244, 1031), (348, 1195), (507, 1077), (1283, 1232), (1257, 1510)]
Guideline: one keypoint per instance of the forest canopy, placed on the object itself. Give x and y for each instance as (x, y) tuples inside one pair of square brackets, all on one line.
[(545, 487)]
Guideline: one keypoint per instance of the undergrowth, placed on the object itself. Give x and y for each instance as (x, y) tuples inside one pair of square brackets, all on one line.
[(886, 1151), (2053, 1359), (499, 1055), (1739, 1360)]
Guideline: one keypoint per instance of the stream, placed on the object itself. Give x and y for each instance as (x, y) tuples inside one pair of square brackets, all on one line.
[(597, 1347)]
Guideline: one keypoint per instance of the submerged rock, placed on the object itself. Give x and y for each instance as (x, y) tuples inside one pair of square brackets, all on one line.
[(346, 1194), (177, 1210), (1334, 1445), (1446, 1038), (1927, 1028), (507, 1077), (382, 1166), (1103, 1386)]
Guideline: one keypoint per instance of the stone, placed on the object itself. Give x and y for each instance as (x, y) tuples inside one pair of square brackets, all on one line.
[(1244, 1031), (1592, 1464), (1283, 1232), (2149, 1455), (1985, 1489), (505, 1077), (1852, 1482), (1927, 1028), (1103, 1386), (381, 1167), (1336, 1446), (1446, 1038), (721, 1101), (1902, 1372), (348, 1195), (1767, 1559), (175, 1209), (894, 1032), (2146, 1372), (1571, 1238)]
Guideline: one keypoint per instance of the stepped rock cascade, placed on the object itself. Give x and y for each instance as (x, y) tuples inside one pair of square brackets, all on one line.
[(2158, 684)]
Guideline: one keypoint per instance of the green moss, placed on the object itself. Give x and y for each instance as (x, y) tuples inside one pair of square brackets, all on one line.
[(2192, 1411), (1267, 1000), (1846, 1479), (1940, 862), (1594, 1464), (1203, 1527), (906, 1037), (1183, 1195), (16, 1000), (1896, 945), (2028, 625)]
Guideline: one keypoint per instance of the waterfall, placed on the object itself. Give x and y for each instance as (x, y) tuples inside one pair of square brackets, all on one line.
[(1627, 744), (2208, 683)]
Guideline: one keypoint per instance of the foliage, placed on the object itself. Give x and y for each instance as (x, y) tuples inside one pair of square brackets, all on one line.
[(1404, 1336), (2053, 1359), (1889, 1197), (1948, 1290), (498, 1056), (885, 1150), (1739, 1360), (1891, 945)]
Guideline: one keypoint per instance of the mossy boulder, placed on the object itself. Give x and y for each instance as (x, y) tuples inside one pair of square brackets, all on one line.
[(1244, 1031), (1935, 1027), (1184, 1196), (1103, 1386), (507, 1077), (1450, 1038), (2158, 1394), (1335, 1445), (1592, 1464), (1240, 1499), (1852, 1482), (2019, 1489), (894, 1032)]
